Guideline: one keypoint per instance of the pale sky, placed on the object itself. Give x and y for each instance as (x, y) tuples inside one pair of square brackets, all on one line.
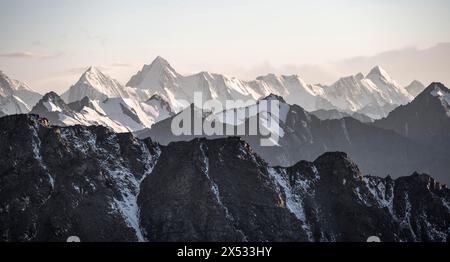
[(47, 43)]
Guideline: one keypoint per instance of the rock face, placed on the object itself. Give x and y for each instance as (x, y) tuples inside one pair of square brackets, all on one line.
[(376, 150), (215, 190), (335, 114), (57, 182), (425, 120)]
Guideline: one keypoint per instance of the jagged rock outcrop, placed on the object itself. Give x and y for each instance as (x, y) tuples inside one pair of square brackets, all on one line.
[(90, 182), (58, 182)]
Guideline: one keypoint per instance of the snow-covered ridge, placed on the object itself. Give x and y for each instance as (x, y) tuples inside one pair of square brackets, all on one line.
[(117, 113), (16, 97), (374, 94), (95, 85)]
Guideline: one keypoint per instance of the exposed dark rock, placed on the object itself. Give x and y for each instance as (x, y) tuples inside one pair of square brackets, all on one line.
[(425, 120), (56, 182)]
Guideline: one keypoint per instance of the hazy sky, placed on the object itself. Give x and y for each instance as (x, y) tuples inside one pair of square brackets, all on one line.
[(47, 43)]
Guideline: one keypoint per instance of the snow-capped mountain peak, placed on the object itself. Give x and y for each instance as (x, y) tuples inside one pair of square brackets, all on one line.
[(53, 102), (391, 92), (16, 97), (379, 72), (95, 78), (95, 85), (443, 93), (14, 85), (153, 75), (415, 88), (161, 62), (5, 85)]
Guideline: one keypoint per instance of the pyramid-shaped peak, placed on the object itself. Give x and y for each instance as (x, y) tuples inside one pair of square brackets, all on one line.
[(92, 70), (50, 96), (378, 71), (435, 89), (160, 61), (438, 87)]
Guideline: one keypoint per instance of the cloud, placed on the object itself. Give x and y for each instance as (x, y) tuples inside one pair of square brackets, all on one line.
[(29, 55)]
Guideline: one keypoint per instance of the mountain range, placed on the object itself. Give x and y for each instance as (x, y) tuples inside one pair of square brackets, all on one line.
[(102, 186), (361, 157), (377, 148), (373, 95)]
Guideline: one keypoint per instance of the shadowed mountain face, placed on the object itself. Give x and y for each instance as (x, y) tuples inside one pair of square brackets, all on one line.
[(425, 120), (57, 182), (377, 151), (335, 114)]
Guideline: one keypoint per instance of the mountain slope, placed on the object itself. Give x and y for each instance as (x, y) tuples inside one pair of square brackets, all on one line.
[(415, 88), (335, 114), (75, 180), (426, 119), (305, 137), (374, 95), (15, 96), (120, 114), (157, 107), (95, 85), (161, 78), (111, 113), (391, 91), (203, 190)]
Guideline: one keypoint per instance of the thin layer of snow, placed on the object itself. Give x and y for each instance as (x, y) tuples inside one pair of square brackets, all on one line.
[(36, 148), (405, 221), (293, 203), (378, 190), (214, 187), (51, 107), (441, 94), (127, 182), (96, 86)]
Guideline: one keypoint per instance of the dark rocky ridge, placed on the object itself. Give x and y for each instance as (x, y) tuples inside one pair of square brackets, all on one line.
[(377, 151), (425, 120), (88, 181)]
